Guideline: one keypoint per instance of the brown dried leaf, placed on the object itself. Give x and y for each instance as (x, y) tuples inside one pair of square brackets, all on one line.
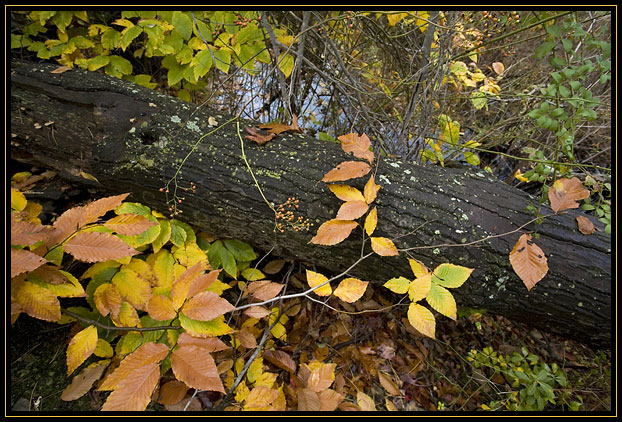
[(247, 339), (388, 384), (365, 402), (202, 282), (347, 170), (23, 260), (273, 267), (50, 274), (97, 247), (528, 261), (160, 308), (196, 368), (172, 392), (308, 400), (210, 344), (134, 392), (129, 224), (565, 193), (357, 145), (28, 232), (68, 222), (264, 289), (278, 128), (280, 359), (257, 137), (83, 382), (257, 312), (97, 208), (585, 225), (206, 306), (333, 232), (329, 400)]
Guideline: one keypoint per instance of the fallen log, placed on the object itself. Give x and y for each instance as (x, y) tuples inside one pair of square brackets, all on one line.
[(133, 139)]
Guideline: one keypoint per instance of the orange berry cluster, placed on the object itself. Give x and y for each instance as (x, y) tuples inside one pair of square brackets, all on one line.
[(173, 203), (286, 217)]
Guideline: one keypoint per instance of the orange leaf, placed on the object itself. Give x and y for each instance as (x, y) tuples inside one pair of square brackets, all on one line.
[(258, 137), (329, 400), (383, 246), (66, 224), (371, 190), (81, 346), (528, 261), (350, 289), (247, 339), (585, 225), (202, 282), (172, 392), (498, 67), (206, 306), (129, 224), (365, 402), (96, 209), (196, 368), (333, 232), (147, 354), (27, 232), (107, 299), (347, 170), (352, 210), (134, 392), (210, 344), (182, 284), (357, 145), (23, 260), (565, 193), (96, 247), (161, 308)]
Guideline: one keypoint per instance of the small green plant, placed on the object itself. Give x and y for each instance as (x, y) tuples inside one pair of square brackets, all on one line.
[(534, 382)]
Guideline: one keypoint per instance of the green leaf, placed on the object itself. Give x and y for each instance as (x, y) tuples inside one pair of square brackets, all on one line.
[(450, 275), (121, 65), (398, 285), (223, 59), (96, 62), (478, 99), (110, 39), (442, 301), (241, 251), (176, 73), (128, 35), (178, 234), (202, 63), (220, 257), (183, 24), (544, 49), (212, 328)]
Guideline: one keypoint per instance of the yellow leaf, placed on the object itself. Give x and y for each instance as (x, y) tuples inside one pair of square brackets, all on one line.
[(315, 279), (442, 301), (421, 319), (394, 18), (346, 192), (365, 402), (18, 200), (383, 246), (182, 284), (132, 288), (419, 288), (128, 317), (350, 289), (107, 299), (321, 375), (103, 349), (371, 190), (398, 285), (418, 268), (161, 308), (189, 254), (519, 175), (371, 221), (81, 346), (38, 302)]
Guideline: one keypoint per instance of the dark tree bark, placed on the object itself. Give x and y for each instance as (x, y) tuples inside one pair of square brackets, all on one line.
[(133, 139)]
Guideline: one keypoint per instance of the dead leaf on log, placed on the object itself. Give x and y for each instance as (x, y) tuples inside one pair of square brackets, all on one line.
[(528, 261), (257, 137), (585, 225), (278, 128), (565, 193)]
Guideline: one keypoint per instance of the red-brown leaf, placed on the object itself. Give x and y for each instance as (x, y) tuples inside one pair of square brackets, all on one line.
[(23, 260), (333, 232), (585, 225), (357, 145), (97, 247), (206, 306), (565, 193), (257, 137)]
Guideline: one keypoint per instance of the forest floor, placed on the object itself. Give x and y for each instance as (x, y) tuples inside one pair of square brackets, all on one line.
[(375, 352)]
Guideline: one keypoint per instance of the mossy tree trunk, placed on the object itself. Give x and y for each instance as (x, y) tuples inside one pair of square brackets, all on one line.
[(133, 139)]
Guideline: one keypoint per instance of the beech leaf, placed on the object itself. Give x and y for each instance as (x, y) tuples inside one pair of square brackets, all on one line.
[(346, 192), (371, 190), (315, 279), (81, 346), (196, 368), (565, 193), (352, 210), (350, 289), (528, 261), (357, 145), (129, 224), (347, 170), (83, 382), (206, 306), (23, 260), (97, 247), (421, 319), (383, 246), (371, 221), (134, 392), (333, 232), (257, 137)]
